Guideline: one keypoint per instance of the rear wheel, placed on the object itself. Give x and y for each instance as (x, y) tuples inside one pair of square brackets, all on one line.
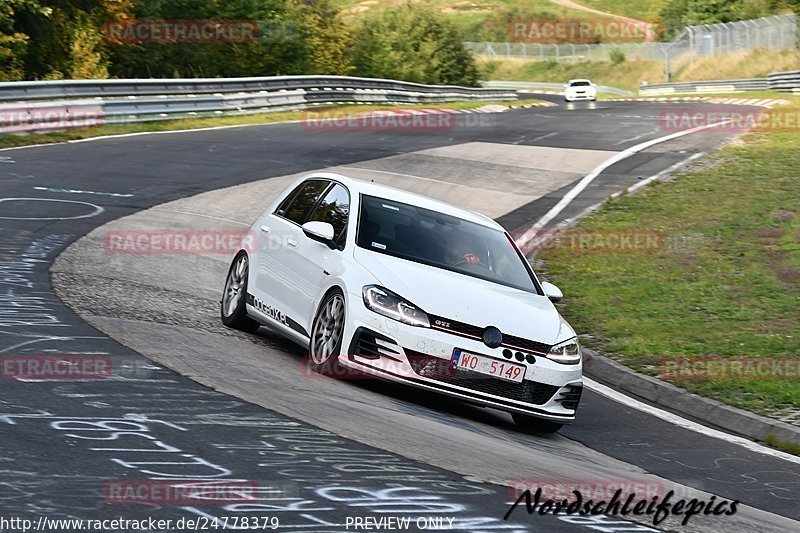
[(232, 307), (327, 334), (535, 424)]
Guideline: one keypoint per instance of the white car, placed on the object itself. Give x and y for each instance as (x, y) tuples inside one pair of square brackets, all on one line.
[(406, 288), (580, 90)]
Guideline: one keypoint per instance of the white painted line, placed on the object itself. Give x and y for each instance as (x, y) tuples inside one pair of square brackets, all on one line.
[(607, 391), (586, 180), (240, 223), (76, 191), (97, 209), (687, 424), (537, 242)]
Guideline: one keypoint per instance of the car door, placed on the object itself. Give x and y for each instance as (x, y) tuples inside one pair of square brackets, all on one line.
[(279, 235), (311, 261)]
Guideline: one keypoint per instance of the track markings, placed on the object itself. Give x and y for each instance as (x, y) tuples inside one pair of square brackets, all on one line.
[(75, 191), (608, 392)]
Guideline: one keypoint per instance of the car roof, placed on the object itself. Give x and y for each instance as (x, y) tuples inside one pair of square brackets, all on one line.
[(370, 188), (580, 79)]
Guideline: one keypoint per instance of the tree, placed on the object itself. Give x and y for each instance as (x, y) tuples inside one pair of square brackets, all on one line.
[(413, 44), (64, 35), (13, 43)]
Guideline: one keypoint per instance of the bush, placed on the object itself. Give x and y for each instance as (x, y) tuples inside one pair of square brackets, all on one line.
[(412, 44), (616, 56)]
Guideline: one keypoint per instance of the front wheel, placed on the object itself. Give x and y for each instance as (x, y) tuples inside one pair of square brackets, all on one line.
[(327, 334), (232, 308), (535, 424)]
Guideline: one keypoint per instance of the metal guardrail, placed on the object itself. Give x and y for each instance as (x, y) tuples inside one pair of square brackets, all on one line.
[(714, 86), (55, 105), (544, 86), (788, 82), (777, 81)]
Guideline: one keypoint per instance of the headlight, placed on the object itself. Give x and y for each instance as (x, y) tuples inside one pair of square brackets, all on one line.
[(567, 352), (387, 303)]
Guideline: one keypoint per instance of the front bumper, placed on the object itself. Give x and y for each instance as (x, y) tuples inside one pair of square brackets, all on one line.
[(421, 357), (571, 97)]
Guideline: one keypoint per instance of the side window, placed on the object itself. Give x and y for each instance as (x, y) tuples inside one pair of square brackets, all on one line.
[(334, 208), (297, 205)]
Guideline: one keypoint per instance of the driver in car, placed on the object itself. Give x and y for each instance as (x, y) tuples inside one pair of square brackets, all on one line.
[(458, 252)]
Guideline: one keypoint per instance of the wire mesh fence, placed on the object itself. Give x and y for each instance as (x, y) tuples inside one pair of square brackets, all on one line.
[(775, 33)]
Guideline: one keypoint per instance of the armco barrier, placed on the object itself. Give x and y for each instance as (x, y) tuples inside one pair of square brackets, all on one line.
[(544, 86), (51, 105), (777, 81), (788, 82), (714, 86)]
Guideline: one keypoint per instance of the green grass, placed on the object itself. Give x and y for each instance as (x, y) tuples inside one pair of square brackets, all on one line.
[(790, 447), (626, 75), (478, 20), (642, 10), (726, 282), (10, 140), (629, 74)]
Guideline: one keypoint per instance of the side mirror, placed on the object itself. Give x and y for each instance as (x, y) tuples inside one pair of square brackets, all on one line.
[(552, 292), (321, 232)]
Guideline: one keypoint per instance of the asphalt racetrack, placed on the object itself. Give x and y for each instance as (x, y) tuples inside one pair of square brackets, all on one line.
[(188, 398)]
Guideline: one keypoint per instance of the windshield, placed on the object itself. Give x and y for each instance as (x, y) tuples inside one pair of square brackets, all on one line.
[(441, 241), (580, 84)]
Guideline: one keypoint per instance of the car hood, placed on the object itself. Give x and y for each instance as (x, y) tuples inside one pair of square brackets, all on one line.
[(466, 299)]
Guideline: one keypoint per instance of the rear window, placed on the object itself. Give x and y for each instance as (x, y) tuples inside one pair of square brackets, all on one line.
[(580, 84)]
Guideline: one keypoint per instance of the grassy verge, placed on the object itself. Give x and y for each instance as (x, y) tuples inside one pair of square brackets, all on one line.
[(629, 74), (737, 94), (725, 282), (10, 140)]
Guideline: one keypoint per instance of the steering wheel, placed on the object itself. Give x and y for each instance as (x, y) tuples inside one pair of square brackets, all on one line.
[(463, 261)]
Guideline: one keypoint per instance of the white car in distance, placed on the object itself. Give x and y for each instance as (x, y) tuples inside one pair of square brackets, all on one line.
[(580, 90), (395, 285)]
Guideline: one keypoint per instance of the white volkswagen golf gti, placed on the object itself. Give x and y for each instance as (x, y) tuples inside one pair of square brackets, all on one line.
[(407, 288)]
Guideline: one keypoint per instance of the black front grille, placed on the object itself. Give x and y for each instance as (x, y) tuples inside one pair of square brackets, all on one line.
[(476, 332), (441, 370)]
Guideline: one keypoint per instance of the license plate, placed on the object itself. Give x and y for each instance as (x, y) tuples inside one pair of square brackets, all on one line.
[(489, 366)]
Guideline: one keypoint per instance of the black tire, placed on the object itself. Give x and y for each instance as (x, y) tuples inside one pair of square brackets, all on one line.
[(531, 423), (232, 307), (327, 332)]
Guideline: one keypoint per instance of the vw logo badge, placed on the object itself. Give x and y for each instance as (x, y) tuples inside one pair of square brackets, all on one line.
[(492, 337)]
